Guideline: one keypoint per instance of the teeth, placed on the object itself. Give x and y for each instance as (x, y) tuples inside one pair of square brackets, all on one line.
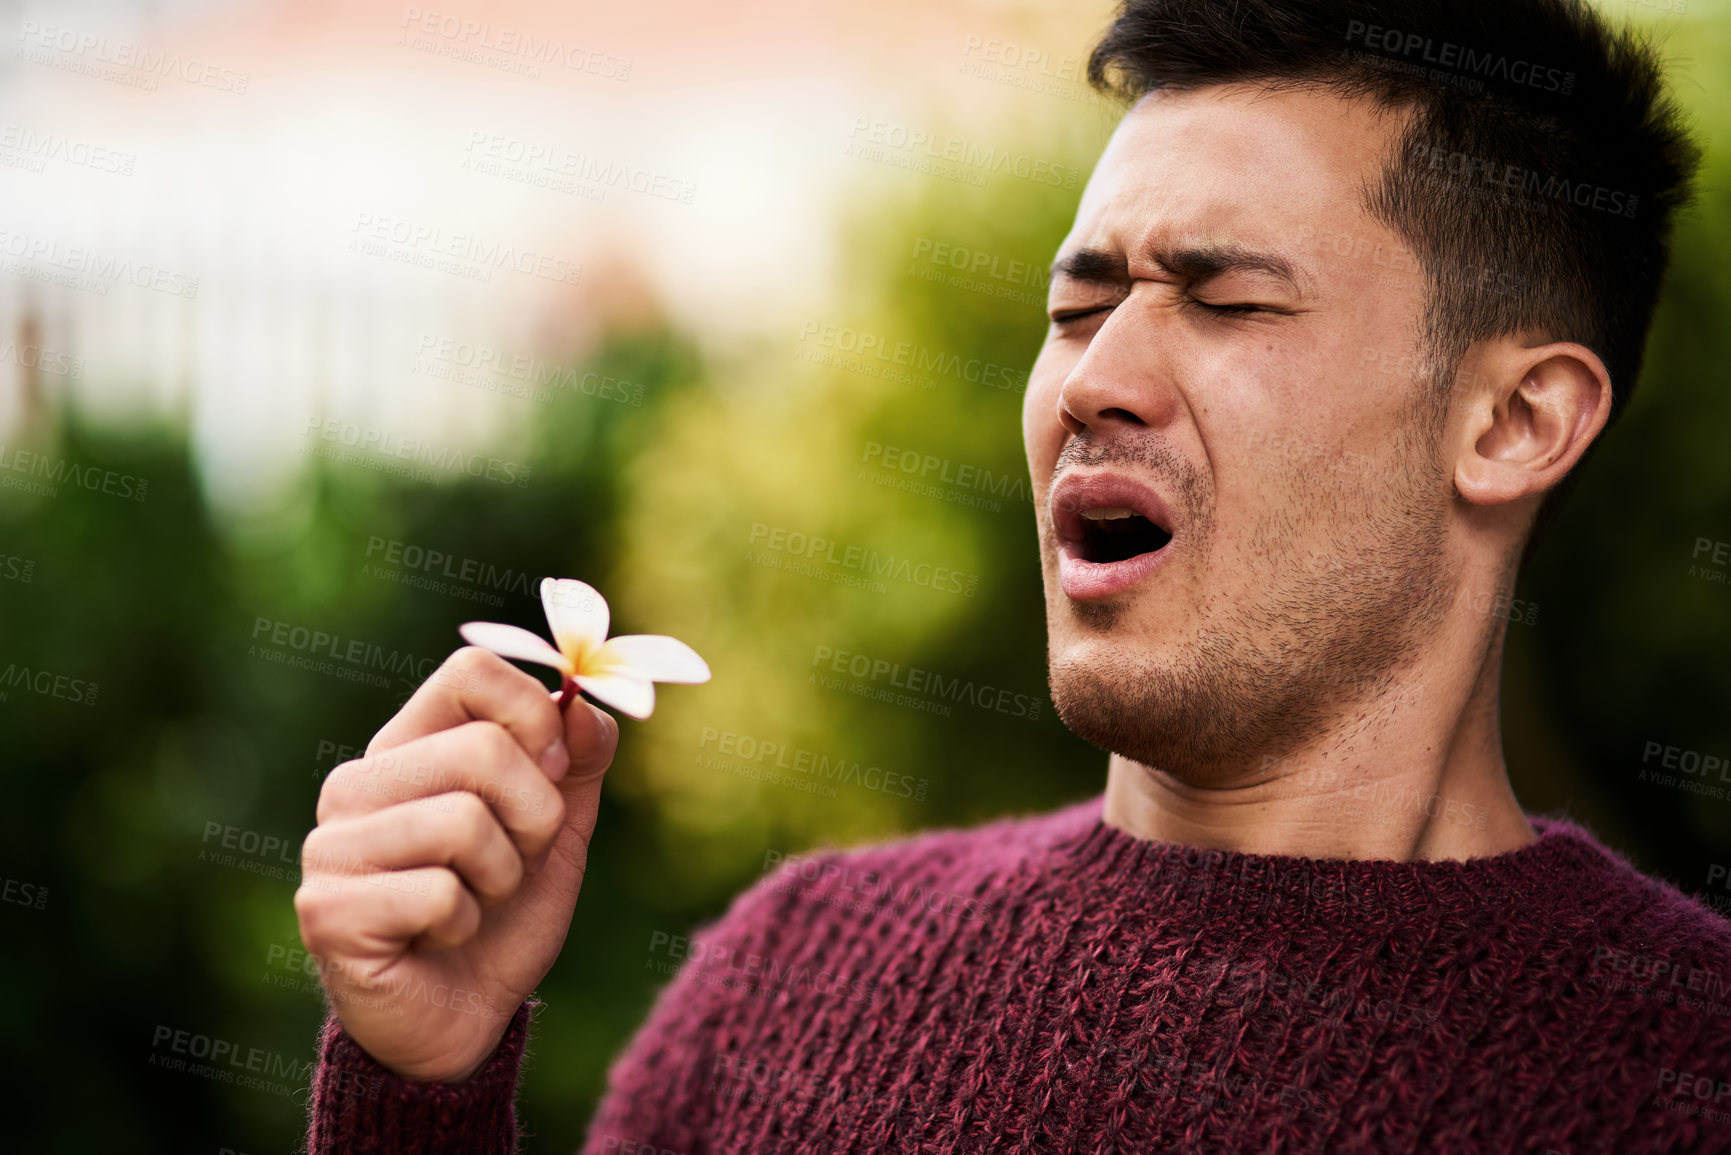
[(1108, 513)]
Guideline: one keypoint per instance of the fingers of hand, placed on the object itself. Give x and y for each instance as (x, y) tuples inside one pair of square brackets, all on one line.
[(475, 685), (456, 830), (479, 757), (373, 916)]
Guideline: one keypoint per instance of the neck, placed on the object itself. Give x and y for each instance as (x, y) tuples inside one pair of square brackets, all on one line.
[(1414, 772)]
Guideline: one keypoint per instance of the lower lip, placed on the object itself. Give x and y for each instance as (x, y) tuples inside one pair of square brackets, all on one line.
[(1083, 579)]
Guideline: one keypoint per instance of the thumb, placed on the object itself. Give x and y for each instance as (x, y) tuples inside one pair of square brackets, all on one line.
[(591, 735)]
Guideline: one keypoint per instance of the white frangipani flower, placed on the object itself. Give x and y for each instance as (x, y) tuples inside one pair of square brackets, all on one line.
[(619, 672)]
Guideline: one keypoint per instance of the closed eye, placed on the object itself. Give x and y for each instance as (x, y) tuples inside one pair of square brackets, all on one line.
[(1220, 310), (1063, 318), (1232, 310)]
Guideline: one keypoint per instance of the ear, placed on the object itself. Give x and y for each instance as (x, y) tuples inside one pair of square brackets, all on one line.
[(1530, 413)]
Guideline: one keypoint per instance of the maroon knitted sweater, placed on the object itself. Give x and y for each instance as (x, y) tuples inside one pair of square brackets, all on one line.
[(1054, 984)]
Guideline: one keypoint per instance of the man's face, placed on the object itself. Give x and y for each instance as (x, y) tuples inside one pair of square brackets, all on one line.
[(1239, 495)]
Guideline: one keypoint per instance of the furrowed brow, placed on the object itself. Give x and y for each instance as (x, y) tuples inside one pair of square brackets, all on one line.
[(1194, 263), (1204, 262), (1093, 267)]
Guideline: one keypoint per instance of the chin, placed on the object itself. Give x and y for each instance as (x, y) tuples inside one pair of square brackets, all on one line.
[(1198, 712)]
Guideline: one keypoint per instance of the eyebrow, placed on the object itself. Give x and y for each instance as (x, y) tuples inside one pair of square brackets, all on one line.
[(1193, 263)]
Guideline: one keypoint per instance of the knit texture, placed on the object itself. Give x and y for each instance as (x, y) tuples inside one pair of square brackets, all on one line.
[(359, 1107), (1055, 984)]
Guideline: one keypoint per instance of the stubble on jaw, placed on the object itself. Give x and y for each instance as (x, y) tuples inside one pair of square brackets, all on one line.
[(1327, 629)]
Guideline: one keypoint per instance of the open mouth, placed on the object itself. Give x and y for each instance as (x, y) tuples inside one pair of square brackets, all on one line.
[(1112, 533), (1116, 533)]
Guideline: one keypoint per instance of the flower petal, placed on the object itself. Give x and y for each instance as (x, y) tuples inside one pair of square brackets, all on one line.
[(656, 657), (628, 695), (577, 614), (514, 642)]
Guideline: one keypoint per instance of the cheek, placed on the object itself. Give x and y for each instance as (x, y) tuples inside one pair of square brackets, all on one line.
[(1042, 432)]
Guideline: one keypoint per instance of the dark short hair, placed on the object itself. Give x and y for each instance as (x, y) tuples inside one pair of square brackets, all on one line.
[(1536, 181)]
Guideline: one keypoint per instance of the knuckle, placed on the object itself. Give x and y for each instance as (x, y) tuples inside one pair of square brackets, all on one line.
[(471, 661), (532, 702), (311, 851), (444, 892), (312, 912), (494, 741), (499, 879), (328, 803), (338, 789), (472, 818), (537, 809), (510, 690)]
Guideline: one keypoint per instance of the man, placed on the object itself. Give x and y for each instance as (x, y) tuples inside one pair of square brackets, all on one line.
[(1351, 292)]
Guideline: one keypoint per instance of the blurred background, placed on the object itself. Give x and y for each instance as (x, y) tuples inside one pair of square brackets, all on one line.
[(325, 327)]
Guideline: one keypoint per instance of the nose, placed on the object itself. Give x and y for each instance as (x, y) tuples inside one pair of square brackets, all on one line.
[(1124, 376)]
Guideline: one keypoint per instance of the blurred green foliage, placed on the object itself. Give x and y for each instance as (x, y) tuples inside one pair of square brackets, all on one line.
[(669, 509)]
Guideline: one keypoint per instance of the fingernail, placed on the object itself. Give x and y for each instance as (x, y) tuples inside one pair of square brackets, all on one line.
[(555, 761)]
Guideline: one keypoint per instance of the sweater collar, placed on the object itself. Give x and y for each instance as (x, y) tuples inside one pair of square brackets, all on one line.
[(1563, 866)]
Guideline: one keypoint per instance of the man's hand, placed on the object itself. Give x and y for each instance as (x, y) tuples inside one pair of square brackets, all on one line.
[(438, 886)]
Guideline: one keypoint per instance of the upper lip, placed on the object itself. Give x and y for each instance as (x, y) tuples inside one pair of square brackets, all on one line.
[(1075, 492)]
